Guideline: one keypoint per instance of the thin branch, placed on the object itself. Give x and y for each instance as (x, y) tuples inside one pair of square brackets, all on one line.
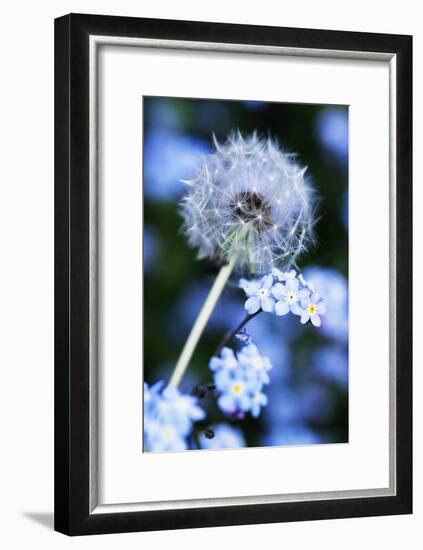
[(231, 334), (201, 321)]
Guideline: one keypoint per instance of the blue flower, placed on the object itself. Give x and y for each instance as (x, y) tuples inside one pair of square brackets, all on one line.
[(169, 157), (169, 416), (258, 400), (239, 380), (225, 437), (283, 275), (313, 306), (333, 286), (259, 294), (181, 410), (256, 366), (332, 130), (289, 296), (305, 284), (235, 390), (151, 395), (226, 361), (163, 436)]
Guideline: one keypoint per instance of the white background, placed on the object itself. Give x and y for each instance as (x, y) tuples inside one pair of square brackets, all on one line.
[(26, 295), (126, 474)]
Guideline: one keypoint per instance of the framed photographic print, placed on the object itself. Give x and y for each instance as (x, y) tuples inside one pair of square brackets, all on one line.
[(232, 274)]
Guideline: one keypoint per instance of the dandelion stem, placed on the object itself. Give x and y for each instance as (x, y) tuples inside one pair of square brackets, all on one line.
[(201, 321), (229, 335)]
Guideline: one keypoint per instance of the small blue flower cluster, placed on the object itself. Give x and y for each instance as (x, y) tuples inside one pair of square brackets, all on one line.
[(168, 417), (239, 379), (283, 292)]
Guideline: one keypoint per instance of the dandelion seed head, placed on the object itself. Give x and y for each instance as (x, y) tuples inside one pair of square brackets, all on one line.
[(251, 201)]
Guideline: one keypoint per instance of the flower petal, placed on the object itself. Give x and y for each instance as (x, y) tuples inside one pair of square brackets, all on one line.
[(302, 280), (267, 282), (243, 283), (197, 413), (264, 377), (255, 410), (305, 301), (263, 399), (315, 319), (227, 352), (222, 379), (281, 308), (249, 350), (155, 388), (215, 363), (295, 308), (278, 291), (244, 403), (226, 403), (250, 287), (267, 304), (277, 274), (253, 304), (292, 285), (305, 316)]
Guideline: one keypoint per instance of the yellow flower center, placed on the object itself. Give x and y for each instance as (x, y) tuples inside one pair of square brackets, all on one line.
[(256, 362), (168, 433), (311, 308), (237, 388)]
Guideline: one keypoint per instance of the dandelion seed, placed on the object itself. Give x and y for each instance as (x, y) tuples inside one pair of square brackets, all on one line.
[(260, 197)]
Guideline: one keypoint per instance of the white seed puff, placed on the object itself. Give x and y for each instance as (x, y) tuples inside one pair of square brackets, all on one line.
[(251, 201)]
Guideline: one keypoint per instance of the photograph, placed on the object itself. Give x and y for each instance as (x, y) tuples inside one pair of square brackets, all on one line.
[(245, 274), (208, 266)]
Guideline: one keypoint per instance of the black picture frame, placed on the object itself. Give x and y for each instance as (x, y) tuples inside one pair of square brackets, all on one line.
[(72, 300)]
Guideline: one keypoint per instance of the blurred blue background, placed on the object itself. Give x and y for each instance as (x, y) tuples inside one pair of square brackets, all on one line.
[(308, 393)]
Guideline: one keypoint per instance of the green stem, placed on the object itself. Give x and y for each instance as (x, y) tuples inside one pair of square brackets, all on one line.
[(201, 322)]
